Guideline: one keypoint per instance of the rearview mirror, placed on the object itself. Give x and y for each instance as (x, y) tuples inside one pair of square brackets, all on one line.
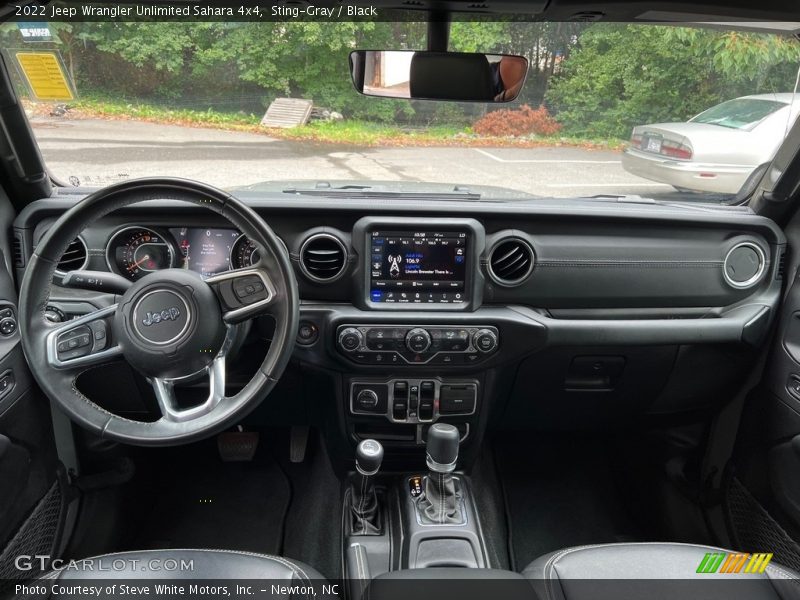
[(452, 76)]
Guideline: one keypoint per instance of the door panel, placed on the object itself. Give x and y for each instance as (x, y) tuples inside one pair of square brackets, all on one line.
[(31, 498)]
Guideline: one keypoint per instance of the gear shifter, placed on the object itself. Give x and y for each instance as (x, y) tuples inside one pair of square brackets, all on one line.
[(440, 502), (364, 507)]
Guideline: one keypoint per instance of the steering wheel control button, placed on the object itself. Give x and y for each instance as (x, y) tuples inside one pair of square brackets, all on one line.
[(100, 335), (249, 289), (418, 340), (161, 317), (350, 339), (74, 343)]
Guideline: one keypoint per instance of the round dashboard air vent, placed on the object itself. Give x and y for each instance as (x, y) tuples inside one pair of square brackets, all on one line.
[(74, 258), (744, 265), (511, 261), (323, 257)]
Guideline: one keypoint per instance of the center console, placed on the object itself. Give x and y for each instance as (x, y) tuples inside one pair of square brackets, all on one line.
[(413, 352), (405, 371), (410, 521)]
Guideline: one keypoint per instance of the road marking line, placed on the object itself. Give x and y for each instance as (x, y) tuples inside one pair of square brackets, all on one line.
[(591, 185), (547, 161)]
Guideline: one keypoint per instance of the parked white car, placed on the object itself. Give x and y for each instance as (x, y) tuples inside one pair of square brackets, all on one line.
[(716, 150)]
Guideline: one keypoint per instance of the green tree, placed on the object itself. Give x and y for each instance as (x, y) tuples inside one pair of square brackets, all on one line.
[(619, 76), (305, 59)]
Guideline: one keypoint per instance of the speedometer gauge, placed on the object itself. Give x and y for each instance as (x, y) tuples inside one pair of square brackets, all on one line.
[(244, 253), (134, 252)]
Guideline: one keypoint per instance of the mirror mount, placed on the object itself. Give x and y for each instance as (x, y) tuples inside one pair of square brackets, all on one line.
[(438, 31)]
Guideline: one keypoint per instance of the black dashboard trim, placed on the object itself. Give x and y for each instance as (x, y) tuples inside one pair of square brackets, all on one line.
[(590, 254)]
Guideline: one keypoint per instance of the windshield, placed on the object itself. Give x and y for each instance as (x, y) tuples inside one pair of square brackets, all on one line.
[(739, 114), (606, 109)]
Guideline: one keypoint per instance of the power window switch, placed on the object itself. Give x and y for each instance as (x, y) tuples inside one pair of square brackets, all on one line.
[(400, 400)]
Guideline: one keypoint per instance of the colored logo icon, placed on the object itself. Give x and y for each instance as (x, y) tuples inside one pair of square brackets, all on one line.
[(734, 562)]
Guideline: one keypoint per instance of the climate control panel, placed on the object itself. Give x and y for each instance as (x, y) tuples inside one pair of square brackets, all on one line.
[(417, 345)]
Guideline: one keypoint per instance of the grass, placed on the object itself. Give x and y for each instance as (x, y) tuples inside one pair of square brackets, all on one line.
[(364, 133), (351, 132)]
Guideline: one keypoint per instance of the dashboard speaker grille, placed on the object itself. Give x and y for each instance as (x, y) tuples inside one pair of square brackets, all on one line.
[(74, 257), (511, 262), (323, 257)]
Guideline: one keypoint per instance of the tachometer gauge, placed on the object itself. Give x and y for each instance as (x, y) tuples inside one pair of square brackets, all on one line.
[(134, 252), (244, 253)]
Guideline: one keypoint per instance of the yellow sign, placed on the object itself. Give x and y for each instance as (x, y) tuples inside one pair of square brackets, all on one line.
[(45, 75)]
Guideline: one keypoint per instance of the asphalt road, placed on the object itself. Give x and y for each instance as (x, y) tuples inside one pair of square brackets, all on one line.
[(97, 152)]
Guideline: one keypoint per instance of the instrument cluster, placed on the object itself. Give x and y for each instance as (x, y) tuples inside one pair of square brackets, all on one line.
[(135, 251)]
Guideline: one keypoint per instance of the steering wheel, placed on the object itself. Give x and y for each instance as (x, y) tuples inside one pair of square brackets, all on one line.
[(171, 325)]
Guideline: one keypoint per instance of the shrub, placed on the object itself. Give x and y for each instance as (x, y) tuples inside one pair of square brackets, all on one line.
[(522, 121)]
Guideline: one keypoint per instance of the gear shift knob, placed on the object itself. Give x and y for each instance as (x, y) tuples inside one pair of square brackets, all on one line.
[(442, 448), (369, 456)]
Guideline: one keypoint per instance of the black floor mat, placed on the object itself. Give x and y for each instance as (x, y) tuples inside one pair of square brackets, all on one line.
[(197, 501), (560, 492)]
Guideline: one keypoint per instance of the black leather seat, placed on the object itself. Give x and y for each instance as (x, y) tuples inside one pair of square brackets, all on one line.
[(652, 571), (189, 564)]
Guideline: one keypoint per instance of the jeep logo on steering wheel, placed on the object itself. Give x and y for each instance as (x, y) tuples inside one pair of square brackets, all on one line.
[(168, 314)]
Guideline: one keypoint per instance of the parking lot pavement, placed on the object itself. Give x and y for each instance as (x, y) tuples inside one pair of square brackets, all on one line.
[(97, 152)]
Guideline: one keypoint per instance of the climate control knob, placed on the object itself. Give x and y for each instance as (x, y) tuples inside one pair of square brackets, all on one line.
[(485, 340), (350, 339), (418, 340)]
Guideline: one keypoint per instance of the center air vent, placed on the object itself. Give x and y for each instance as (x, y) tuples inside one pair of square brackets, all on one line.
[(511, 261), (74, 258), (323, 257)]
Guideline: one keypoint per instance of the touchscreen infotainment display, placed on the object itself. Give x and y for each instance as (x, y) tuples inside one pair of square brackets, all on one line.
[(418, 267)]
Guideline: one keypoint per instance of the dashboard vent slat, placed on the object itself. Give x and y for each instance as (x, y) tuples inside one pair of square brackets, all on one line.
[(74, 257), (16, 249), (781, 266), (323, 257), (511, 262)]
